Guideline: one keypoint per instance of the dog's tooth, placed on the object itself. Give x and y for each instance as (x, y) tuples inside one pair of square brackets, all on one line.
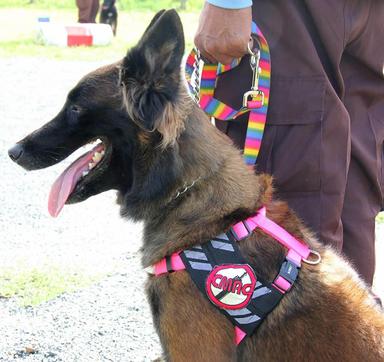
[(91, 165), (150, 269), (97, 157), (102, 152), (85, 173)]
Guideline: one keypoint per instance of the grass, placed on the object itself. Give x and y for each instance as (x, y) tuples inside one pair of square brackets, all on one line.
[(34, 285), (18, 37), (121, 4)]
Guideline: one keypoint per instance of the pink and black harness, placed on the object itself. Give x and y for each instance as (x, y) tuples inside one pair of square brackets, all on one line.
[(222, 275)]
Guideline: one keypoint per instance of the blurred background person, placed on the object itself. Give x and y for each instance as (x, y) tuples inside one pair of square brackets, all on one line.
[(88, 10)]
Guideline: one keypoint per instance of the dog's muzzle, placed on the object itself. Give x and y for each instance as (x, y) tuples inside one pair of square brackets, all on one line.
[(16, 152)]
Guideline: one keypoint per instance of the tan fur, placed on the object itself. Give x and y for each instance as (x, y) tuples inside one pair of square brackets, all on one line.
[(180, 311), (170, 123)]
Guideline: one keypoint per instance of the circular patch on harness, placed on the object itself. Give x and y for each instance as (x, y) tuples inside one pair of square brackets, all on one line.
[(231, 286)]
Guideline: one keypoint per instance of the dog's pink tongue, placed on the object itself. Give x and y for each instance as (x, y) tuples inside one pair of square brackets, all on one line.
[(66, 182)]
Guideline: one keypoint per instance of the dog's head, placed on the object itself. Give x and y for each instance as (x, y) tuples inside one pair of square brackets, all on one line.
[(127, 107)]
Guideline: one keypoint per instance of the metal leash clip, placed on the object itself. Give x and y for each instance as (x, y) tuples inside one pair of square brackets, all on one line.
[(255, 93)]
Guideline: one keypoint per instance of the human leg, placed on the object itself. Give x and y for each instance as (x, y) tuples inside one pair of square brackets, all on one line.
[(84, 7), (94, 10), (361, 67)]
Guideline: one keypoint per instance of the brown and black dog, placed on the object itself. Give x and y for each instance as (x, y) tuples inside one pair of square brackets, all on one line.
[(184, 179)]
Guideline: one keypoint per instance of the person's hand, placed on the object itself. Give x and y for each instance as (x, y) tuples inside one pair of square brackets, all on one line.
[(223, 34)]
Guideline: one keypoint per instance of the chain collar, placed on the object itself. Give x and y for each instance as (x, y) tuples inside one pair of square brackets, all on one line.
[(184, 189)]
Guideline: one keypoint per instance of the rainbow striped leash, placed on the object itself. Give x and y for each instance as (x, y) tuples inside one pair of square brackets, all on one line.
[(255, 101)]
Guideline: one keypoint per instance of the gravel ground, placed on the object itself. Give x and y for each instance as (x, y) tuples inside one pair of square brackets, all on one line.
[(108, 321)]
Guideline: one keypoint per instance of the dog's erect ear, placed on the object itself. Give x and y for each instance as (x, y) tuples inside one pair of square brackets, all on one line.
[(150, 72), (153, 21)]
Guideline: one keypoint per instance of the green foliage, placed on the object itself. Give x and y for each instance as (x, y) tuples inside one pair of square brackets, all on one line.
[(32, 286), (121, 4), (157, 5), (20, 37), (38, 4)]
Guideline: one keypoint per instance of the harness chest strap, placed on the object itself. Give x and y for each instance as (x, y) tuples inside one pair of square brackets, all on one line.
[(201, 260), (297, 251)]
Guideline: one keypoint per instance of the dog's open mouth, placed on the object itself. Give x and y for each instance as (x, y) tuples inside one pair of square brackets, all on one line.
[(75, 175)]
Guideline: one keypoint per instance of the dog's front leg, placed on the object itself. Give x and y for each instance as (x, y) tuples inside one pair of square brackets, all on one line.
[(189, 327)]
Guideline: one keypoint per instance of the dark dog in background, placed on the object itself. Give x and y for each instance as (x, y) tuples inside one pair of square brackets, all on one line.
[(149, 149), (108, 14)]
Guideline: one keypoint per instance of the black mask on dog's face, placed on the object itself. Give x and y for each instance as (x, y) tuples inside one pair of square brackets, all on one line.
[(121, 106)]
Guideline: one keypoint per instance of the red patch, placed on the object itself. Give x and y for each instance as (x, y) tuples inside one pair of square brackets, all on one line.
[(231, 286)]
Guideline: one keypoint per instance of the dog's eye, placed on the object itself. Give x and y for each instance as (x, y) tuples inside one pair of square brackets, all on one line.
[(73, 114), (75, 109)]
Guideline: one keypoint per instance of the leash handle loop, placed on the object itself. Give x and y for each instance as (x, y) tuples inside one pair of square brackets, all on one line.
[(202, 84)]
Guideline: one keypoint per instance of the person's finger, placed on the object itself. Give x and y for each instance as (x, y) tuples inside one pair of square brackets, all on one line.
[(235, 46), (208, 47), (217, 57), (200, 45), (216, 50), (224, 59), (207, 58)]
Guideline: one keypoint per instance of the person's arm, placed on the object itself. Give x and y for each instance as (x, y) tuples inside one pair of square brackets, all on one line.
[(223, 33), (231, 4)]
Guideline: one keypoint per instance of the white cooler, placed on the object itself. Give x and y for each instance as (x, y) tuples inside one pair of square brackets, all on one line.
[(74, 34)]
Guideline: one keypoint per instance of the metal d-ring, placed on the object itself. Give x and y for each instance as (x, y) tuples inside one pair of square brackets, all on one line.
[(313, 262), (250, 51), (253, 39)]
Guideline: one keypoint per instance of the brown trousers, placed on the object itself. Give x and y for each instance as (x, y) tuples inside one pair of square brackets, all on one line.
[(87, 10), (323, 142)]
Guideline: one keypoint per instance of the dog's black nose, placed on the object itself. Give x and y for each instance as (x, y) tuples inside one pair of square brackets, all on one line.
[(15, 152)]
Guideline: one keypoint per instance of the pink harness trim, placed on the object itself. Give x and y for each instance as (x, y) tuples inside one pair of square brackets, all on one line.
[(297, 251), (239, 335), (176, 264)]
